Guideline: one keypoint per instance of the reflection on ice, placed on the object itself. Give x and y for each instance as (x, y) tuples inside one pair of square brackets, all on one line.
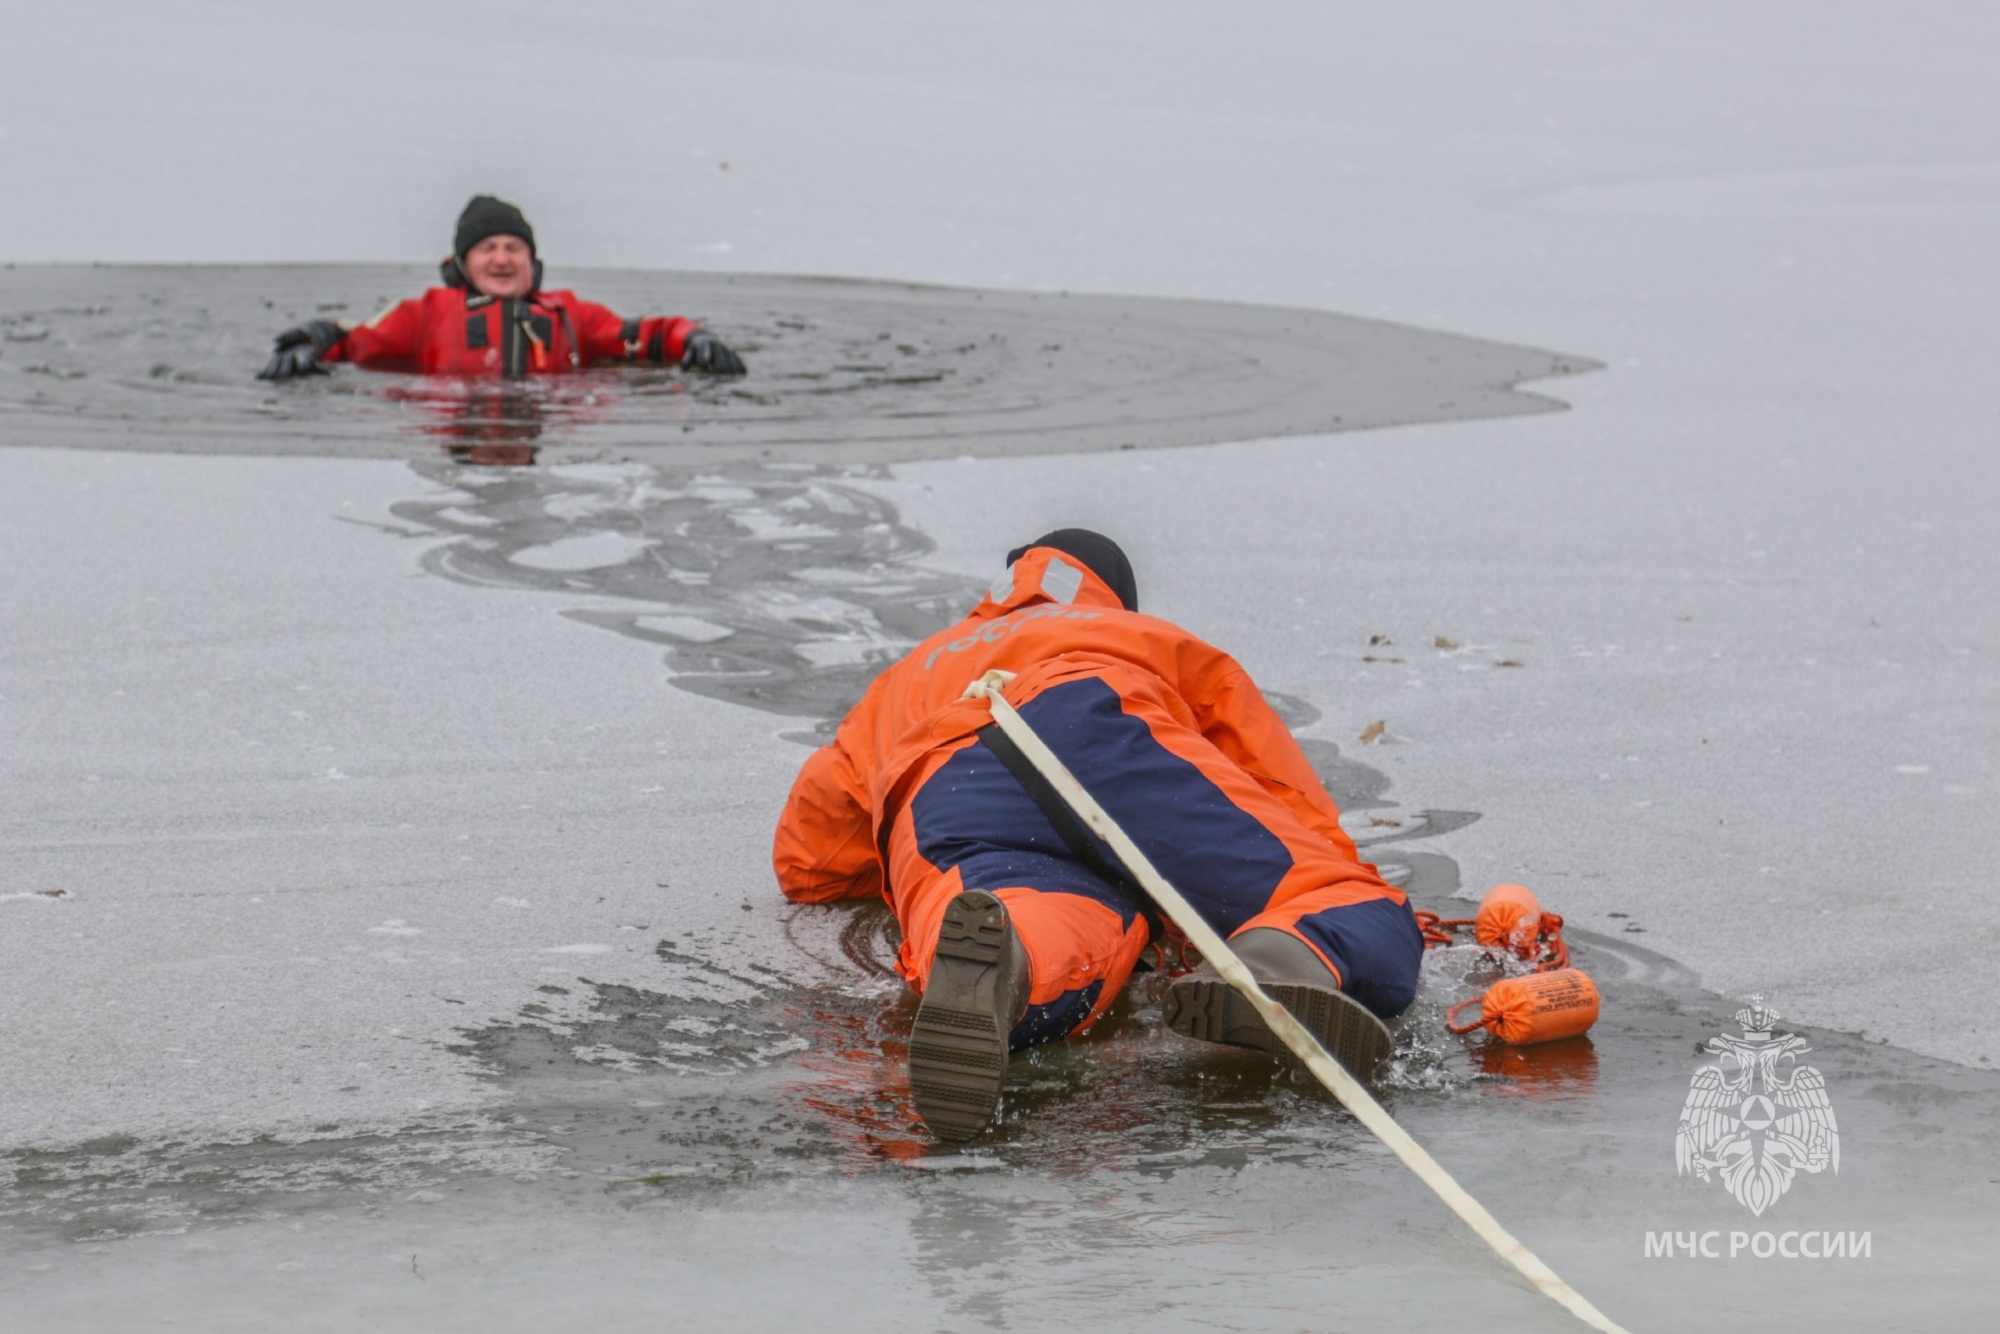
[(781, 589), (1548, 1071)]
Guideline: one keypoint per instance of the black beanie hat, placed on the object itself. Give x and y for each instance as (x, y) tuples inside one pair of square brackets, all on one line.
[(1103, 557), (486, 216)]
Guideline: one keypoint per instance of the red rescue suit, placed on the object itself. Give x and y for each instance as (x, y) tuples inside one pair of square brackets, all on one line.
[(1167, 732), (456, 331)]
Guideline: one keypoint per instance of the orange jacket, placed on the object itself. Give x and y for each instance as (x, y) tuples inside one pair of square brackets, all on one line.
[(1047, 619)]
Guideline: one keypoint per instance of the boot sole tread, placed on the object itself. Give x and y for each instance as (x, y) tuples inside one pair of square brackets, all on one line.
[(1211, 1010), (958, 1049)]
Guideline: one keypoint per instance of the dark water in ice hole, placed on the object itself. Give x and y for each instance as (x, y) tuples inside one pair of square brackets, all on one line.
[(161, 358)]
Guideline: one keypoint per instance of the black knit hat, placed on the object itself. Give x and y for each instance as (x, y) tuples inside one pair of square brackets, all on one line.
[(486, 216), (1103, 557)]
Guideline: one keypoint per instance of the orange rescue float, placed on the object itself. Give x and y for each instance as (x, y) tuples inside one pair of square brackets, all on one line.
[(1510, 918), (1540, 1007)]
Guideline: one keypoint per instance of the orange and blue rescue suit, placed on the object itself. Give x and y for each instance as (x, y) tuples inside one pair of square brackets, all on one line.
[(1168, 733), (456, 331)]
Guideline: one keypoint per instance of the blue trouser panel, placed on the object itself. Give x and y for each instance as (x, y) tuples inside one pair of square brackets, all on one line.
[(1221, 858), (1052, 1022), (1377, 948), (973, 814)]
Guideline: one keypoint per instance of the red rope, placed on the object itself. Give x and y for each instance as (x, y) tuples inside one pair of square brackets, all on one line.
[(1549, 951), (1451, 1016), (1439, 930)]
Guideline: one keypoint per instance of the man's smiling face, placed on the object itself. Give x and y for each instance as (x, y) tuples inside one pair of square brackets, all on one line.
[(500, 266)]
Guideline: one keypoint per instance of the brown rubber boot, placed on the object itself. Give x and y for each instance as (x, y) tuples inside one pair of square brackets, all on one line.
[(978, 990), (1202, 1005)]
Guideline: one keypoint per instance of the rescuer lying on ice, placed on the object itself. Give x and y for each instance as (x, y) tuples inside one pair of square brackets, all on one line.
[(492, 316), (1018, 926)]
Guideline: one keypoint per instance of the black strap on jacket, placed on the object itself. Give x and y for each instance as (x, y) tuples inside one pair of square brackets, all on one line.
[(1069, 826)]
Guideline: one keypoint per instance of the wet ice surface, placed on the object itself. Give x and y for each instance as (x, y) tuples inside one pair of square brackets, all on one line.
[(111, 357), (651, 1144), (781, 591), (649, 1116), (318, 817)]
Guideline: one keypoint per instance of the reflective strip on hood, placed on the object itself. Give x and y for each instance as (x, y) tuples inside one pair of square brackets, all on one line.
[(1061, 580)]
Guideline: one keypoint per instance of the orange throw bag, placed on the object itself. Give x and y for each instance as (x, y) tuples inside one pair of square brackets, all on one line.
[(1509, 917), (1540, 1007)]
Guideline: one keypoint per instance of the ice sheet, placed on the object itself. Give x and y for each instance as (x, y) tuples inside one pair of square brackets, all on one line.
[(1771, 222)]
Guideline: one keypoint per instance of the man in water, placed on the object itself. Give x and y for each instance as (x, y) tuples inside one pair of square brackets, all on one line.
[(1019, 926), (492, 316)]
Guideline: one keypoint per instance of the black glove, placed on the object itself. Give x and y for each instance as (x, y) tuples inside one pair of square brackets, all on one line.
[(298, 350), (703, 351)]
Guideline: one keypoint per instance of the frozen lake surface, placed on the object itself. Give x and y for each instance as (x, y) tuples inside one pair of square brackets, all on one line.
[(384, 944)]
